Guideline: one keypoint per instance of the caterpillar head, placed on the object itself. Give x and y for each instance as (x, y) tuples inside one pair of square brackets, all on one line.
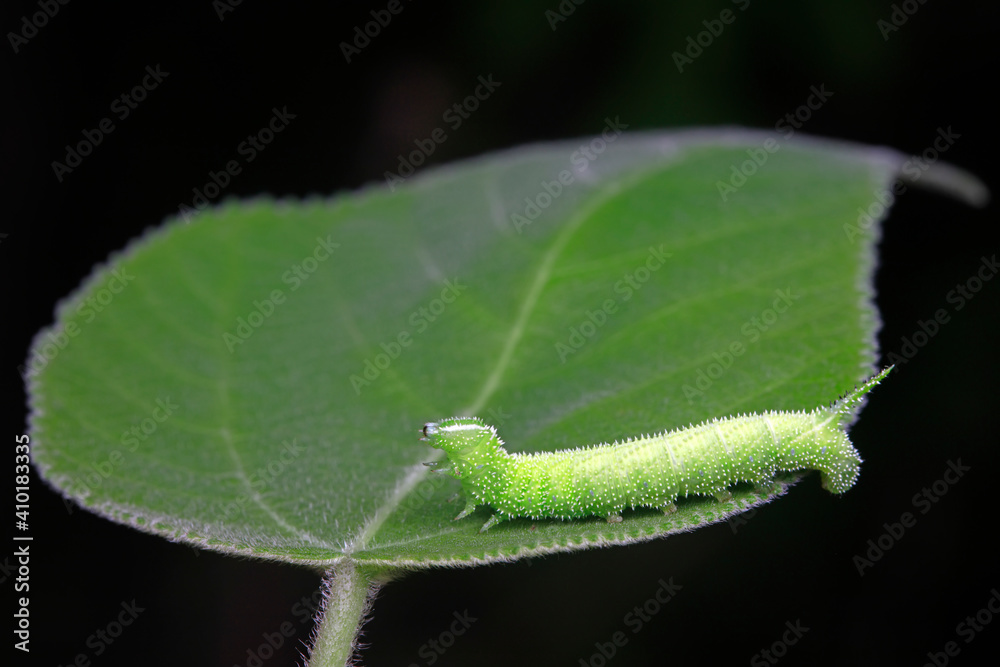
[(459, 437)]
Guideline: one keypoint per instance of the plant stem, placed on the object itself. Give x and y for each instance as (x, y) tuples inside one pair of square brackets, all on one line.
[(348, 592)]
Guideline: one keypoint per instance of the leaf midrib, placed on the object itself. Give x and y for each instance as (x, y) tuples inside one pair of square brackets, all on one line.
[(602, 195)]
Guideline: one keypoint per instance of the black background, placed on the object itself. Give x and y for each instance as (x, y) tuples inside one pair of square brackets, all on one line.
[(792, 560)]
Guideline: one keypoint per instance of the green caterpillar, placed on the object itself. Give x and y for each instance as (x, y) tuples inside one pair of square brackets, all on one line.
[(651, 471)]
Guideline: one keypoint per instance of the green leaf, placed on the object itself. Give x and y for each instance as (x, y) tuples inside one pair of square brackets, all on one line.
[(254, 381)]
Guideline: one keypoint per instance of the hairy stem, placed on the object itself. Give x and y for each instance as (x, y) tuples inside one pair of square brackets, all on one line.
[(348, 592)]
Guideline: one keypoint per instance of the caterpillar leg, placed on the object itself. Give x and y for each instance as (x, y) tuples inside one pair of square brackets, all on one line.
[(494, 520), (669, 508), (767, 487), (723, 496), (470, 507), (614, 518)]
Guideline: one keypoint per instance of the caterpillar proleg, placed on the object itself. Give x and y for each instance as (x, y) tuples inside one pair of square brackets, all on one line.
[(648, 471)]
